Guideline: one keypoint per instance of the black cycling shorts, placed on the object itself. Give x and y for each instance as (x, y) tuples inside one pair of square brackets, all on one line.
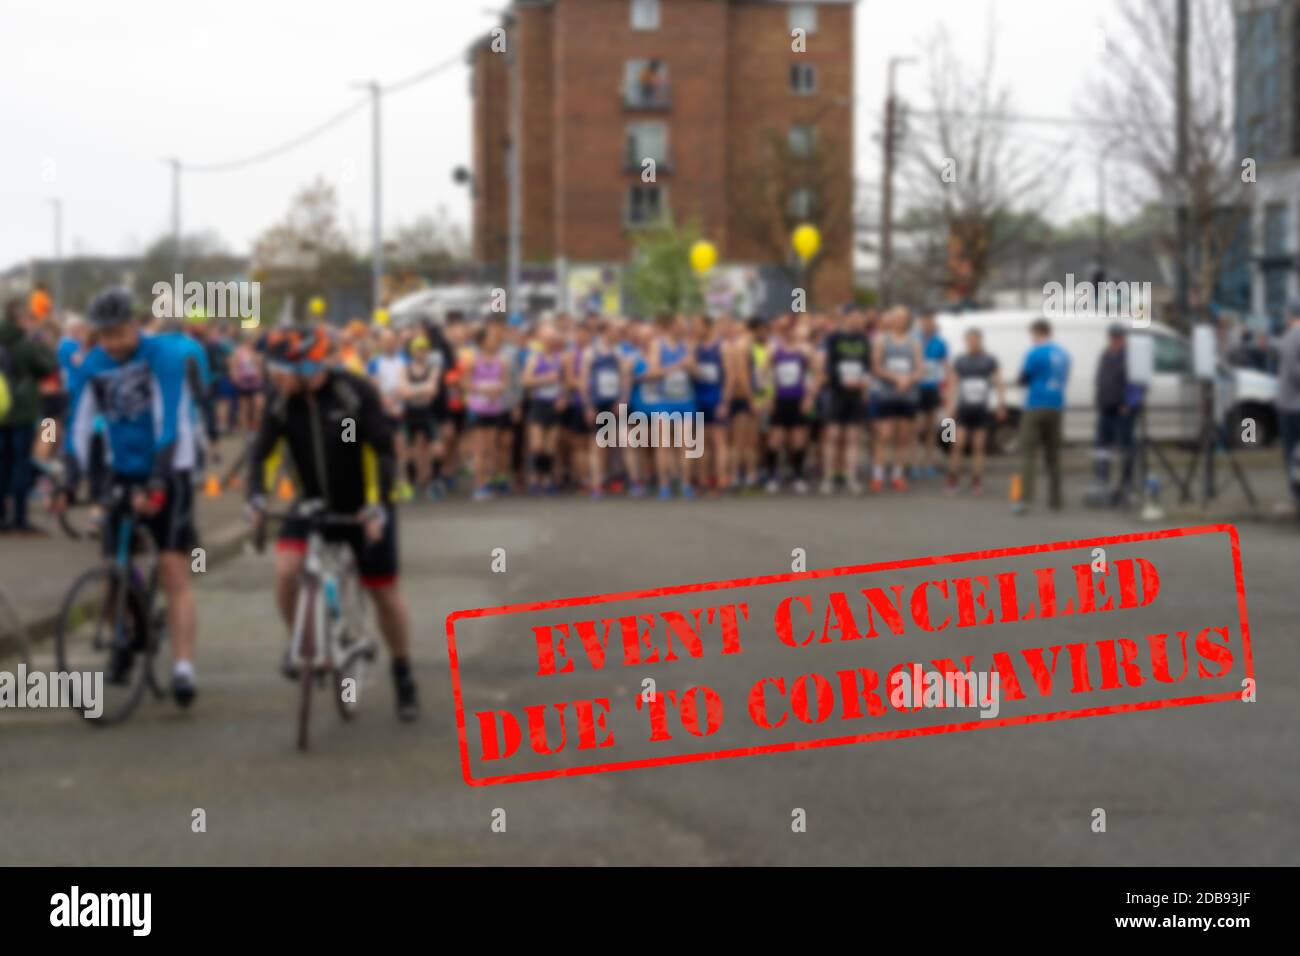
[(172, 527), (376, 561)]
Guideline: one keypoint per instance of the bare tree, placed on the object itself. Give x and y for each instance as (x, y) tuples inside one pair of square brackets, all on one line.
[(1135, 101), (972, 178), (786, 187)]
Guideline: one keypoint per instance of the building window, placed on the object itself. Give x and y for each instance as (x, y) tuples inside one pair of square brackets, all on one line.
[(802, 140), (801, 203), (646, 204), (803, 78), (647, 140), (645, 84), (645, 14), (803, 16)]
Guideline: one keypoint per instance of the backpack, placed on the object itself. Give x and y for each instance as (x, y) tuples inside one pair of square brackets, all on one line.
[(6, 393)]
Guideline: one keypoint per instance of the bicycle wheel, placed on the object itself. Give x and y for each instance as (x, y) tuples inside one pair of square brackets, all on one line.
[(103, 629), (307, 665)]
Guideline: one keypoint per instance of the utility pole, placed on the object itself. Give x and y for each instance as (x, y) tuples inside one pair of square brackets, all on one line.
[(1101, 219), (57, 204), (1180, 158), (376, 214), (176, 215), (514, 175), (887, 187)]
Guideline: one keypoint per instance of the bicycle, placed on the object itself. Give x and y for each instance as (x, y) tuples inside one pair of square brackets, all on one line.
[(109, 621), (329, 593)]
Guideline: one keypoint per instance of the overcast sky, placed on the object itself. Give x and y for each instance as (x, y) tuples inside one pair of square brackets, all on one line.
[(94, 96)]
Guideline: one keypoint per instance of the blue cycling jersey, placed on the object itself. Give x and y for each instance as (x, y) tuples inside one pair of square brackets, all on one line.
[(147, 404)]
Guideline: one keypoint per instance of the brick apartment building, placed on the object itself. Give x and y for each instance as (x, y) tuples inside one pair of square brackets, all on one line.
[(749, 137)]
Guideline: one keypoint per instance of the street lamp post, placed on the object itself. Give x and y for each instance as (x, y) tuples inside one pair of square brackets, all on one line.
[(57, 205), (887, 186), (376, 187)]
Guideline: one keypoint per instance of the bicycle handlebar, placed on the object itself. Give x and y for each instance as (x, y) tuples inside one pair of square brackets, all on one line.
[(310, 511)]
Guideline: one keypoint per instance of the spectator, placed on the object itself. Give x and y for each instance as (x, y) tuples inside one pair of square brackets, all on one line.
[(24, 362), (1288, 400), (1045, 372), (1116, 402)]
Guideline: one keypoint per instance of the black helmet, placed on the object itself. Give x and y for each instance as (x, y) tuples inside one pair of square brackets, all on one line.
[(113, 306)]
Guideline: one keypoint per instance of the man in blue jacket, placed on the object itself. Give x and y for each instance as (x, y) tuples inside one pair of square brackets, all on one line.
[(1044, 374), (144, 388)]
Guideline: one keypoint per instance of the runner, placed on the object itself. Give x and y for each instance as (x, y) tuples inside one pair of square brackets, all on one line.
[(245, 370), (543, 382), (387, 370), (971, 382), (634, 348), (896, 360), (141, 385), (670, 370), (418, 393), (713, 391), (845, 366), (352, 477), (934, 359), (486, 380), (606, 376), (790, 361), (742, 412)]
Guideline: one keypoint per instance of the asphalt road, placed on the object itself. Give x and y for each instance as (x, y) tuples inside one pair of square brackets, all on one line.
[(1215, 784)]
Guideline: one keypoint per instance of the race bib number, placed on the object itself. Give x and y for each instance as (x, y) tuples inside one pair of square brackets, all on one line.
[(974, 391), (607, 383), (850, 371), (547, 393), (932, 370), (677, 384), (788, 373), (709, 373), (899, 365)]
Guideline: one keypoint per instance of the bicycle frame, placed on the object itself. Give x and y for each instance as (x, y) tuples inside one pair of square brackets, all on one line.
[(319, 578)]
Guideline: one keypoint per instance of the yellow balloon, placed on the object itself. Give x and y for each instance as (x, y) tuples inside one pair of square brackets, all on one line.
[(704, 255), (316, 306), (381, 316), (807, 240)]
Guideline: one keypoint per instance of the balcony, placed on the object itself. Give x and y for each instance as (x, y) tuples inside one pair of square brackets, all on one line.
[(647, 95)]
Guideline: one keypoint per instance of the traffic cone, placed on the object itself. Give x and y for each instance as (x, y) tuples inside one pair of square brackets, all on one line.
[(1015, 487), (285, 489), (212, 486)]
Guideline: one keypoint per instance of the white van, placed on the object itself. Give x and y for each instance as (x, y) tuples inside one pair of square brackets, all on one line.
[(1172, 401)]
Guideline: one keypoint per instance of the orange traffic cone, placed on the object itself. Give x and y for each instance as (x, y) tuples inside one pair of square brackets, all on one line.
[(1015, 487), (285, 489), (212, 486)]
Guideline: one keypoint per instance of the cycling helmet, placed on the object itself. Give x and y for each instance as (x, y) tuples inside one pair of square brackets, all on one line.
[(113, 306), (299, 350)]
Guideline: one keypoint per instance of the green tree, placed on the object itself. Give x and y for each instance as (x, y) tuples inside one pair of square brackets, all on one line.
[(660, 278)]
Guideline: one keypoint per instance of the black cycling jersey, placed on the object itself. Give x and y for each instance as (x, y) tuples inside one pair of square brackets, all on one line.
[(340, 444)]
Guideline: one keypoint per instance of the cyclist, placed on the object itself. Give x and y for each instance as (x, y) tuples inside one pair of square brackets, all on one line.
[(352, 470), (144, 388)]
